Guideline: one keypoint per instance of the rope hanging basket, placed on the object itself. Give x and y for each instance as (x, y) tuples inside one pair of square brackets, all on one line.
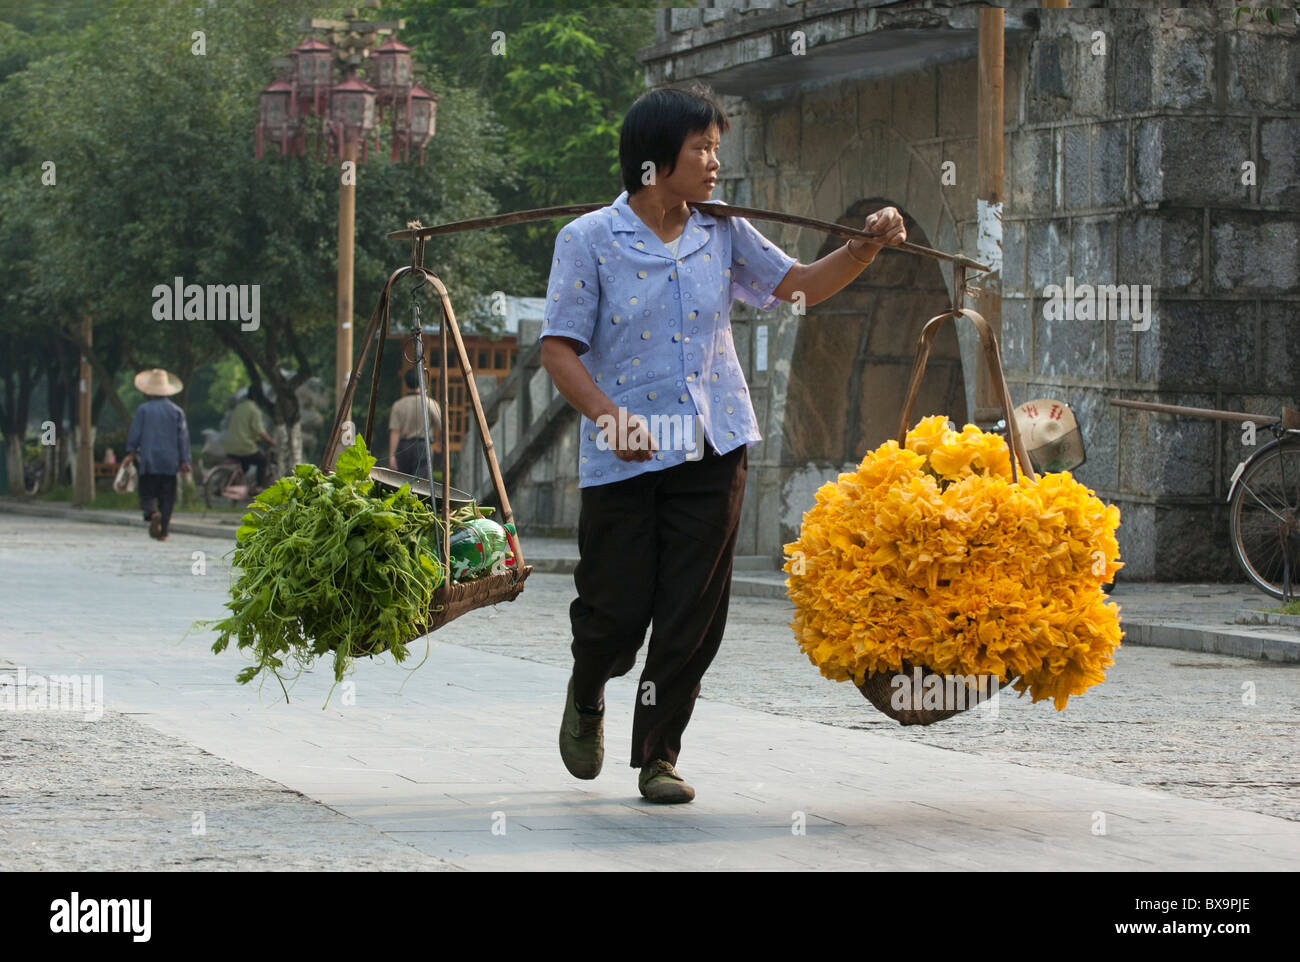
[(945, 566), (451, 599), (882, 688)]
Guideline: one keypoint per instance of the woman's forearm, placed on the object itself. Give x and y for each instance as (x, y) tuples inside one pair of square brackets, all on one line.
[(822, 278)]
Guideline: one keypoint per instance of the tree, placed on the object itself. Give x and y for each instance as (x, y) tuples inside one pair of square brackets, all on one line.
[(559, 86), (157, 180)]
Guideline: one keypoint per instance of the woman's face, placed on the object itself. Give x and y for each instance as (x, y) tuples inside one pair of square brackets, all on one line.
[(696, 172)]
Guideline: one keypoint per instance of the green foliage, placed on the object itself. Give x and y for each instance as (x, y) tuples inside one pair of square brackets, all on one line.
[(329, 565), (156, 179), (211, 390), (560, 90), (1271, 14)]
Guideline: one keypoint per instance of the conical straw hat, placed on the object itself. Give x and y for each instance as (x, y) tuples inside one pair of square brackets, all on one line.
[(1051, 435), (157, 382)]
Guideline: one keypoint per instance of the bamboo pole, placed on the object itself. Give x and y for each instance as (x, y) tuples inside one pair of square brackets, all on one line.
[(347, 233), (1196, 412), (716, 210), (989, 179)]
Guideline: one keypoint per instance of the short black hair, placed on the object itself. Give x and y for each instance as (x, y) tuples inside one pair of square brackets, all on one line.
[(657, 125), (412, 379)]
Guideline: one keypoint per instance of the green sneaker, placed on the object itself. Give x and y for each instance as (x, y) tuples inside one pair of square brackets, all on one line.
[(582, 739), (660, 783)]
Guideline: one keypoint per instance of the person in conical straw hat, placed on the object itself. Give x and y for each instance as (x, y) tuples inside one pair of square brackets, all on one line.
[(159, 440)]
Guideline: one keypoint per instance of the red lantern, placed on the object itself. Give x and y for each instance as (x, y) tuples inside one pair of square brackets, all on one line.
[(346, 111), (311, 75), (393, 70), (276, 119), (424, 110), (352, 112)]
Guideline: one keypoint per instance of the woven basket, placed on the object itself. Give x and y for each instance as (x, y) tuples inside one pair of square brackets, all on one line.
[(453, 599), (879, 689), (450, 599)]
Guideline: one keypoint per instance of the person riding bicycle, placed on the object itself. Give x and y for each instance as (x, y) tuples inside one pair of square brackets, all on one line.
[(242, 434)]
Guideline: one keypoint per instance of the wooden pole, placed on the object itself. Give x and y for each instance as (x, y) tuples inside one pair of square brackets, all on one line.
[(714, 210), (988, 195), (84, 489), (347, 231)]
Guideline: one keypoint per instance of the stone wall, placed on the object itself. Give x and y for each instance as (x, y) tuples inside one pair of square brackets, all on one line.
[(1125, 168)]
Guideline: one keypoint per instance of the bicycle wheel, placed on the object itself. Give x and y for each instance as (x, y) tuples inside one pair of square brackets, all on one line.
[(1262, 518), (216, 481)]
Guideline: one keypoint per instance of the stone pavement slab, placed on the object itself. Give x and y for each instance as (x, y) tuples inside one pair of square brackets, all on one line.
[(1215, 618), (115, 795)]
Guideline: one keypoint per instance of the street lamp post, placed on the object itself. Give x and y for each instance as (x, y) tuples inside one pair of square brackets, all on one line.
[(342, 118)]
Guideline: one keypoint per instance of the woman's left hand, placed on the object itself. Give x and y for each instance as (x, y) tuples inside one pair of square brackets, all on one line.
[(887, 225)]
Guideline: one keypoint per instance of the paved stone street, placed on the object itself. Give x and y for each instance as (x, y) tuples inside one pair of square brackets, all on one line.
[(1164, 719), (427, 763), (74, 791)]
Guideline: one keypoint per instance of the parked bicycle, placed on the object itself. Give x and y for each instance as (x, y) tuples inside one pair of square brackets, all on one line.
[(226, 484), (1264, 500), (1263, 513)]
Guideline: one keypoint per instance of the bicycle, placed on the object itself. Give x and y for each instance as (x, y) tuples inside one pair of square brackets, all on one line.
[(1263, 500), (225, 484), (1264, 512)]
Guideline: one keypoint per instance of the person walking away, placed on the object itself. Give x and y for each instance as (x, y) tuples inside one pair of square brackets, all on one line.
[(159, 441), (637, 325), (406, 429), (242, 434)]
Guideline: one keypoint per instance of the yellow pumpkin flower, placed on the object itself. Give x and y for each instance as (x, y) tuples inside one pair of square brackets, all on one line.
[(930, 554)]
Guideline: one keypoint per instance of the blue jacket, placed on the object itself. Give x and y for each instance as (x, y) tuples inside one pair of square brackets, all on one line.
[(159, 433)]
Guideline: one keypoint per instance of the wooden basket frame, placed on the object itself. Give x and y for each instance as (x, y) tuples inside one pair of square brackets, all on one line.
[(450, 599), (878, 688)]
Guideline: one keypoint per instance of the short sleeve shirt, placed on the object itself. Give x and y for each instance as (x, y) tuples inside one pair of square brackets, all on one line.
[(405, 418), (654, 328), (245, 428)]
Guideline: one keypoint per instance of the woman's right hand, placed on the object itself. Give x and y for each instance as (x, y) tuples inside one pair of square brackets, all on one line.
[(638, 444)]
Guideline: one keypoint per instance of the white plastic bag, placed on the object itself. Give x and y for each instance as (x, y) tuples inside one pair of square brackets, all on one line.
[(125, 480)]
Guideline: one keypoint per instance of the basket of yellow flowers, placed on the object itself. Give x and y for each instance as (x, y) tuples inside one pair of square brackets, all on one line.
[(944, 569)]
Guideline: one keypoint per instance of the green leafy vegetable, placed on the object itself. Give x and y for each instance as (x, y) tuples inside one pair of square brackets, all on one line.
[(326, 565)]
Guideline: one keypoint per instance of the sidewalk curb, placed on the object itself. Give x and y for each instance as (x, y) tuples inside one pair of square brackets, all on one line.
[(1245, 643), (92, 516), (1254, 616)]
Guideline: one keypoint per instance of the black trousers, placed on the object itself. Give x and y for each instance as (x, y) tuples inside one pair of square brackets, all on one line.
[(408, 456), (658, 549), (256, 460), (158, 493)]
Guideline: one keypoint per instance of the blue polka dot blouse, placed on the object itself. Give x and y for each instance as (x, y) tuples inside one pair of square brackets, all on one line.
[(654, 329)]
